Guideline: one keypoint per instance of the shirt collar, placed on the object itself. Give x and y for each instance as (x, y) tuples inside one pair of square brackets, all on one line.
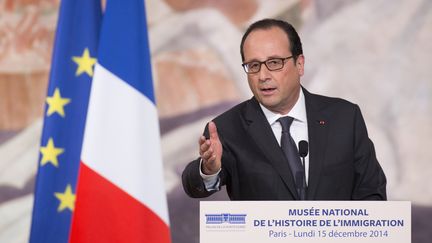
[(298, 112)]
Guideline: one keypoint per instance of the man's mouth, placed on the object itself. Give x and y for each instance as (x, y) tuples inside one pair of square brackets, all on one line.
[(267, 91)]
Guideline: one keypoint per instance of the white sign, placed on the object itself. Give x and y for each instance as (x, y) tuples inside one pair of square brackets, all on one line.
[(305, 221)]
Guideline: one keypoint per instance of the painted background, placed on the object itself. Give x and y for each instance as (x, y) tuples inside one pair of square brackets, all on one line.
[(376, 53)]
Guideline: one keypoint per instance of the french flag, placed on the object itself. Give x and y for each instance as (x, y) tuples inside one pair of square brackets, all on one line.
[(120, 191)]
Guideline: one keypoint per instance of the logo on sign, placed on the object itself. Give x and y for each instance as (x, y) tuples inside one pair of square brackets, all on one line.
[(225, 218)]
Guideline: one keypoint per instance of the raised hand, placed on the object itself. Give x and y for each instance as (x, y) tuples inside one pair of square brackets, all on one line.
[(210, 151)]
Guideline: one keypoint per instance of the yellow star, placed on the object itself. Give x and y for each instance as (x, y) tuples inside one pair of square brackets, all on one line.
[(85, 63), (50, 153), (67, 199), (56, 103)]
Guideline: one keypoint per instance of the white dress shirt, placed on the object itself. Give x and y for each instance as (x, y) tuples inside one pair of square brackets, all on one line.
[(299, 126), (298, 131)]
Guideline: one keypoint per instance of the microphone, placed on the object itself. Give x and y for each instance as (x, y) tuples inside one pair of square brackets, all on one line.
[(303, 149), (303, 152)]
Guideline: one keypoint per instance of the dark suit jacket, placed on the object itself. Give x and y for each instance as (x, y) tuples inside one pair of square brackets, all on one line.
[(342, 161)]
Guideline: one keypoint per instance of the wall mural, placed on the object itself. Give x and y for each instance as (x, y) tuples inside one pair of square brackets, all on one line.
[(375, 53)]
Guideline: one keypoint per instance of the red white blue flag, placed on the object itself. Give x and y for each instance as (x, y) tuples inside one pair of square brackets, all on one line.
[(120, 193)]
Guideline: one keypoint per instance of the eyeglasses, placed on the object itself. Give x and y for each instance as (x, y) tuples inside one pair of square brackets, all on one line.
[(272, 64)]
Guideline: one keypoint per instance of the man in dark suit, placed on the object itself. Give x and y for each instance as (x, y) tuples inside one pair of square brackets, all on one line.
[(242, 147)]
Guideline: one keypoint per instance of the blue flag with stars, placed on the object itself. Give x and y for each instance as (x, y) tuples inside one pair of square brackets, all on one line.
[(74, 57)]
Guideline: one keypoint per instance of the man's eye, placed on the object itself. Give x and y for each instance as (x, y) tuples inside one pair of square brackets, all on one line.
[(253, 65), (273, 62)]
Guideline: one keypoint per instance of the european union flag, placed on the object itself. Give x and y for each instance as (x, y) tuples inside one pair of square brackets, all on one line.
[(74, 57)]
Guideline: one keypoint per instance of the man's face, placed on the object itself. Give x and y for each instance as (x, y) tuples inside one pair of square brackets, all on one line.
[(277, 90)]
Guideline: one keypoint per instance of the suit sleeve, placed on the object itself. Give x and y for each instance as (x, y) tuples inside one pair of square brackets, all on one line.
[(192, 181), (370, 181)]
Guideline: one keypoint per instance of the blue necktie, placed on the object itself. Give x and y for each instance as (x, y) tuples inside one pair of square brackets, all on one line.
[(291, 153)]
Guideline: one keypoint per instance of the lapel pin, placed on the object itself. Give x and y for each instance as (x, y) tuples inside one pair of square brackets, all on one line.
[(321, 122)]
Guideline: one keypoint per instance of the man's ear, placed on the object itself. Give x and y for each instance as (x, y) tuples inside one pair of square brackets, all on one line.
[(300, 64)]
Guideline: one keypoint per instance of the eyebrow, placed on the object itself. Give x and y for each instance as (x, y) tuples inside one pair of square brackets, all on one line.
[(270, 57)]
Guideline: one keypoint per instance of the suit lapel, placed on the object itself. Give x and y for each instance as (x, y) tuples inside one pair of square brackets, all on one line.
[(262, 134), (318, 135)]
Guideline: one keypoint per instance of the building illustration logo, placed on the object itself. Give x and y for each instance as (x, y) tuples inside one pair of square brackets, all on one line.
[(225, 218)]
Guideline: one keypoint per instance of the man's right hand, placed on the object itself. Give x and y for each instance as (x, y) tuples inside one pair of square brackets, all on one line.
[(210, 151)]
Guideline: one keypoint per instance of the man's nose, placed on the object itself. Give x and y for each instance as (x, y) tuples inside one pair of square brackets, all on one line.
[(263, 73)]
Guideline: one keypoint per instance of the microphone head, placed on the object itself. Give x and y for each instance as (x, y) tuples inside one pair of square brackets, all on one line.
[(303, 148)]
